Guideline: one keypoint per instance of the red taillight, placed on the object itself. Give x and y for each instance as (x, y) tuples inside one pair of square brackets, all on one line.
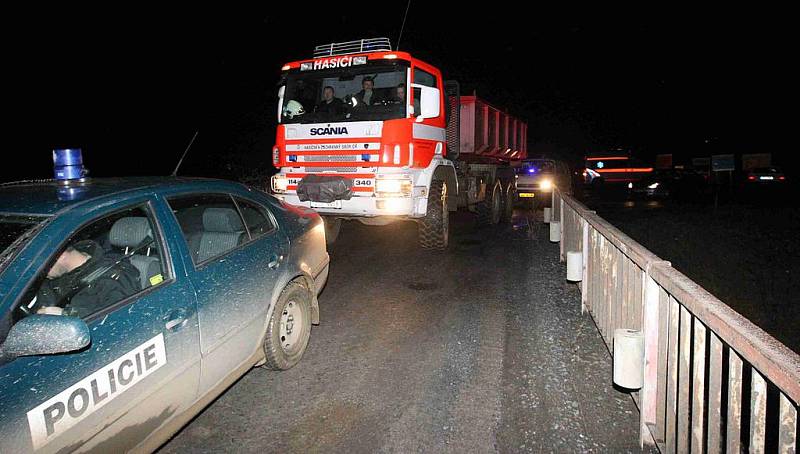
[(781, 178), (276, 156), (751, 178)]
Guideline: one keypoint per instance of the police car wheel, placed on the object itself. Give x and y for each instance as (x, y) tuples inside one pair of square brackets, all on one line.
[(289, 328), (332, 227)]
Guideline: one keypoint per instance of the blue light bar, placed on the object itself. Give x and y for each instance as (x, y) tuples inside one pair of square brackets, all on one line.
[(68, 164)]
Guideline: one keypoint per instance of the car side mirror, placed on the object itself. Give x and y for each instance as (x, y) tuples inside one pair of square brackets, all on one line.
[(430, 103), (45, 335)]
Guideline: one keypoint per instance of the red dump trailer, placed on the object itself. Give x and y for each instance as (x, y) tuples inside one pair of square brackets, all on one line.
[(378, 136)]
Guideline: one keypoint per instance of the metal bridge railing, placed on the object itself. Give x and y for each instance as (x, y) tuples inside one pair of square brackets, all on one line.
[(713, 381)]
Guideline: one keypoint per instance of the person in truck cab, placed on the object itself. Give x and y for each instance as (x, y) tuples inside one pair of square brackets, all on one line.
[(399, 94), (330, 104)]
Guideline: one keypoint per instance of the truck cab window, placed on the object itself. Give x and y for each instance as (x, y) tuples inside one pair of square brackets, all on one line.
[(366, 92)]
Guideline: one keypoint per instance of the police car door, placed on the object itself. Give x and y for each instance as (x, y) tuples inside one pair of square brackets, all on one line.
[(142, 365), (236, 265)]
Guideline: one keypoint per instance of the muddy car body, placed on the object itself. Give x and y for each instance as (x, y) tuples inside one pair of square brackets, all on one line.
[(223, 272)]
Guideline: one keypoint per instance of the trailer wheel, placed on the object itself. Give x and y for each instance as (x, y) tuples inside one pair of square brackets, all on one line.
[(508, 204), (434, 230), (332, 227)]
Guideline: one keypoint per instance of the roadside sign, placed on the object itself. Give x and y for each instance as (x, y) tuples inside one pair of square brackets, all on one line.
[(664, 161), (723, 163), (754, 160)]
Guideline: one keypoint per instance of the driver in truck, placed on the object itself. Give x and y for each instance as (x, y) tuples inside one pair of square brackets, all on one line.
[(367, 96), (330, 104)]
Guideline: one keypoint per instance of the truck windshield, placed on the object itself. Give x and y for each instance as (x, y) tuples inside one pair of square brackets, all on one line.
[(364, 93), (15, 230)]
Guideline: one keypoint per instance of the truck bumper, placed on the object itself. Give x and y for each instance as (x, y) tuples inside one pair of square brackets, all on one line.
[(399, 207)]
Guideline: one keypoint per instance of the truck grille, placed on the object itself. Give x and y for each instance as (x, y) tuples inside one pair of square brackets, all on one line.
[(329, 158), (332, 169)]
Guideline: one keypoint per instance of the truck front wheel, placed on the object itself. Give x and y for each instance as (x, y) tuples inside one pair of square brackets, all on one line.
[(434, 230), (332, 227)]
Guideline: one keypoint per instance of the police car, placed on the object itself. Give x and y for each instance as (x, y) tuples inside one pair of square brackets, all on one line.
[(127, 305)]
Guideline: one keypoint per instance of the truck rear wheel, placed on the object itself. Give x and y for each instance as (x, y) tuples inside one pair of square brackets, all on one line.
[(434, 230), (332, 227), (490, 210), (508, 204)]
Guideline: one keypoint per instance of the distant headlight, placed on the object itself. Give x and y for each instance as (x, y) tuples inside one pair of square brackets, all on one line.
[(546, 184), (630, 185), (653, 186), (279, 183)]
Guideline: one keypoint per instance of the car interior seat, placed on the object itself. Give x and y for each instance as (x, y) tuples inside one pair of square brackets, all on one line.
[(131, 232)]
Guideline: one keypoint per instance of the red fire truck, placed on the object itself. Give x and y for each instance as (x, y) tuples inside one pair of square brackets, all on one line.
[(378, 136)]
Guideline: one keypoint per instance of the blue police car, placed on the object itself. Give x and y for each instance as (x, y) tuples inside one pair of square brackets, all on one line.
[(127, 305)]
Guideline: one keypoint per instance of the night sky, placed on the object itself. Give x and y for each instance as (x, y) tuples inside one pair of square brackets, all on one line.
[(131, 86)]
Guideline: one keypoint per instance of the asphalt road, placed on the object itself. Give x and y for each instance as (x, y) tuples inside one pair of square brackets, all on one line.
[(481, 348)]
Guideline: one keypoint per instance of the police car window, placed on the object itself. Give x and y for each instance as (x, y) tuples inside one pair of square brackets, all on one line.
[(105, 262), (424, 78), (255, 217), (210, 223), (15, 230)]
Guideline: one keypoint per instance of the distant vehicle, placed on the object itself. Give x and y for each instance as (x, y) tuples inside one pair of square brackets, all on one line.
[(183, 285), (765, 176), (615, 168), (682, 184), (536, 178)]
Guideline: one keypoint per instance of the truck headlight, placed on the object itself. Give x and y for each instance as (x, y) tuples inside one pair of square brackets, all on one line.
[(393, 187), (279, 183), (546, 185)]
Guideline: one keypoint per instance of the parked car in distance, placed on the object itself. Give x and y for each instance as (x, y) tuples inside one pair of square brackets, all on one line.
[(128, 304), (765, 176), (680, 184)]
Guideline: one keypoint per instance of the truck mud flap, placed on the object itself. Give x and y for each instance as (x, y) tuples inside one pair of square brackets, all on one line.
[(325, 189)]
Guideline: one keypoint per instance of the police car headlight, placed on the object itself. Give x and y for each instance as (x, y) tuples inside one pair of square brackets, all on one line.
[(653, 186), (546, 185), (393, 187), (279, 183)]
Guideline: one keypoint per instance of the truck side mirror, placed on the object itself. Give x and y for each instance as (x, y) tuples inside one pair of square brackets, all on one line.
[(45, 335), (430, 102), (281, 92)]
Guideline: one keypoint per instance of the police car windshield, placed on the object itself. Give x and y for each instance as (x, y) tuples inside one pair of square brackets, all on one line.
[(15, 230), (538, 166), (323, 95)]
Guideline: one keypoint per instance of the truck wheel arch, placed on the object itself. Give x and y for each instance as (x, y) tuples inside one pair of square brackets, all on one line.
[(447, 173)]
